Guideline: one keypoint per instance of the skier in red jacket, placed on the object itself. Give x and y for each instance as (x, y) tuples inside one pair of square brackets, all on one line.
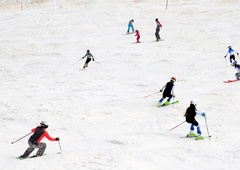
[(35, 140), (138, 36)]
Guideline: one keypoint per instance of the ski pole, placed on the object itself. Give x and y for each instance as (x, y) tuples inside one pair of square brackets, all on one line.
[(150, 94), (176, 126), (77, 61), (173, 101), (226, 61), (21, 138), (59, 147), (207, 128), (96, 62)]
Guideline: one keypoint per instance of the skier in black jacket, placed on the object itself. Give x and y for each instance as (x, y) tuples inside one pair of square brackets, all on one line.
[(168, 91), (89, 57), (190, 114)]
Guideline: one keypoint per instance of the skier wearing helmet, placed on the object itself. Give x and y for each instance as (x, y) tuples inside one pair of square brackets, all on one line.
[(89, 57), (232, 56), (190, 114), (168, 91), (35, 140)]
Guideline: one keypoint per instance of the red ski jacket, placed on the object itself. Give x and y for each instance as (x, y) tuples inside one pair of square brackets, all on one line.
[(39, 134)]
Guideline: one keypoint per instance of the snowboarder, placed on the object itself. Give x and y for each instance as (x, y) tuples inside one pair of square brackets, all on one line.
[(130, 26), (190, 114), (159, 25), (168, 91), (35, 140), (89, 57), (138, 36), (232, 56), (237, 75)]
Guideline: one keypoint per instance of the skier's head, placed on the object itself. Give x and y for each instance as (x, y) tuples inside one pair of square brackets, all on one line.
[(173, 79), (88, 51), (229, 47), (193, 103), (156, 19), (44, 124), (132, 20), (136, 31)]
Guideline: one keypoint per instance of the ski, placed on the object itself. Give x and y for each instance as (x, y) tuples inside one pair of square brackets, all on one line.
[(231, 81), (175, 102), (34, 156), (196, 138), (159, 40)]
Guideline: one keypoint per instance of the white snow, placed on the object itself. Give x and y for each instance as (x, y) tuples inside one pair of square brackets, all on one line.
[(100, 113)]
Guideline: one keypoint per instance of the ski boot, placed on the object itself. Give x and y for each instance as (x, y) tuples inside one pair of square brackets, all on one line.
[(166, 103), (199, 137), (21, 157), (191, 135)]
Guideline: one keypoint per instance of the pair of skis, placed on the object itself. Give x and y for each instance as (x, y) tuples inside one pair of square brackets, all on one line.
[(171, 103)]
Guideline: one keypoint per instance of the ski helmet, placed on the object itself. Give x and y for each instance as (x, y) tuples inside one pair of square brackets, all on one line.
[(132, 20), (192, 102), (173, 79), (88, 51), (229, 47), (44, 124)]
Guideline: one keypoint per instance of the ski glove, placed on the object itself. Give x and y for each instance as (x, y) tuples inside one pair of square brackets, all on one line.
[(160, 90), (57, 139), (173, 96), (225, 56), (203, 114), (237, 53)]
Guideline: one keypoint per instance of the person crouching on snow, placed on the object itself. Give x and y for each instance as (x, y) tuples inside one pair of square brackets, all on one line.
[(35, 140)]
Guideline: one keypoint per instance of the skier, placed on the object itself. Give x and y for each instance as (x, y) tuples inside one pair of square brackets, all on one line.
[(130, 25), (159, 25), (168, 91), (237, 75), (190, 118), (89, 57), (35, 140), (138, 36), (232, 56)]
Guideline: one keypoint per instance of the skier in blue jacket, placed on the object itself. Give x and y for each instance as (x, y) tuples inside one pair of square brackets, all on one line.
[(232, 56)]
